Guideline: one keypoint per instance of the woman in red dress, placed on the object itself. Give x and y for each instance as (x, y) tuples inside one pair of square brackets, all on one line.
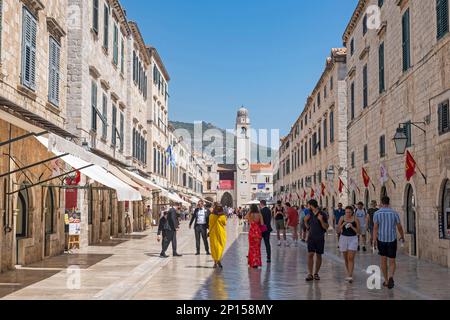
[(256, 222)]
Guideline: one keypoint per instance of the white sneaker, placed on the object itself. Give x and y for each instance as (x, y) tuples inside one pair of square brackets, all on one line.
[(349, 279)]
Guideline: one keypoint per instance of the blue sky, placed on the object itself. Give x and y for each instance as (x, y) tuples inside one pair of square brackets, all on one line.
[(221, 54)]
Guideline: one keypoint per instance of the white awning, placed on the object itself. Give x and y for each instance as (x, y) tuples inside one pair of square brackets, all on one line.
[(97, 173), (144, 181), (122, 176), (195, 200), (176, 198)]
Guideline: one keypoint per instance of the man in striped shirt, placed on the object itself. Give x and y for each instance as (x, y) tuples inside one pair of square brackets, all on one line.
[(386, 222)]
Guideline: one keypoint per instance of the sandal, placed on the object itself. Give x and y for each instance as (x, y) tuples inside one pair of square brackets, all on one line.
[(309, 278), (316, 277)]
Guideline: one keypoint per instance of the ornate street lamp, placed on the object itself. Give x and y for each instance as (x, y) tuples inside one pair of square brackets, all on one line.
[(400, 140)]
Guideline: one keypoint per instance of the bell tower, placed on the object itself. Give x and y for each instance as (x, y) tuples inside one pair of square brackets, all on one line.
[(243, 158)]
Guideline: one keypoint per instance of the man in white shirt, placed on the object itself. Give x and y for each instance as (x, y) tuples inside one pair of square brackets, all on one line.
[(200, 219)]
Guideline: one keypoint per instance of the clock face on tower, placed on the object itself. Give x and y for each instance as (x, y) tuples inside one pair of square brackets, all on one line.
[(244, 164)]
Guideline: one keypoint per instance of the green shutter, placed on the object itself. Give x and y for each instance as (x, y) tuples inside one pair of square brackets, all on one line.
[(29, 33), (95, 16), (116, 46), (381, 83), (105, 117), (122, 120), (106, 27), (122, 61), (406, 45), (94, 106), (54, 75), (114, 125), (442, 18)]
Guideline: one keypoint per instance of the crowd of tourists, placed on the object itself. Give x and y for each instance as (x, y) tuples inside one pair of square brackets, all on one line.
[(357, 228)]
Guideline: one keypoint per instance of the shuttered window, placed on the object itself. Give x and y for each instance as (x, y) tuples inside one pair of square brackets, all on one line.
[(29, 31), (353, 160), (365, 88), (406, 44), (381, 83), (116, 46), (365, 25), (122, 58), (325, 133), (106, 27), (95, 16), (94, 106), (442, 18), (122, 131), (352, 101), (114, 126), (331, 126), (382, 146), (366, 154), (53, 72), (407, 131), (443, 117), (105, 116)]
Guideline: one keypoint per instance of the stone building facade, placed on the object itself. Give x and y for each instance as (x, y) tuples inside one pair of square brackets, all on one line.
[(399, 76), (317, 143), (33, 75)]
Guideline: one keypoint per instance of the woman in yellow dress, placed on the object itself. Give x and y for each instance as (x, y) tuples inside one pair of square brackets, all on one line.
[(217, 234)]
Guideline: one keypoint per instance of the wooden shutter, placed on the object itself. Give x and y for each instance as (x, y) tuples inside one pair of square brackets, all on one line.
[(381, 84), (332, 126), (114, 125), (105, 116), (95, 16), (121, 131), (406, 40), (443, 118), (106, 27), (94, 106), (29, 33), (54, 73), (442, 18), (116, 46)]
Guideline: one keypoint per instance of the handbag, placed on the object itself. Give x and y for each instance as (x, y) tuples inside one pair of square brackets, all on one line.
[(263, 228)]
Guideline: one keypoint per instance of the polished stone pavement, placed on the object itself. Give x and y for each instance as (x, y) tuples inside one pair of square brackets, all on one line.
[(130, 268)]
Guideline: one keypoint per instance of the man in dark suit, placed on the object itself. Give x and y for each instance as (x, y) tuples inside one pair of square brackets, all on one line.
[(200, 219), (171, 234), (267, 216)]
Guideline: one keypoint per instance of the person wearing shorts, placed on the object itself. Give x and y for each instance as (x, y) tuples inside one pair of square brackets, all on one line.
[(280, 224), (371, 212), (317, 224), (386, 223), (292, 222), (348, 227), (363, 217)]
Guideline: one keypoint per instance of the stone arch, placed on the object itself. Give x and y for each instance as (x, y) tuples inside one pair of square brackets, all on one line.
[(227, 200)]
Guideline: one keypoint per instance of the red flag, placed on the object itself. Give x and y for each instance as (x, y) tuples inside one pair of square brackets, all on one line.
[(366, 178), (312, 193), (304, 194), (410, 166), (323, 189), (341, 186), (298, 196)]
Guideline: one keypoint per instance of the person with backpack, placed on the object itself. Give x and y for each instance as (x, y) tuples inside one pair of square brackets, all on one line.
[(363, 217)]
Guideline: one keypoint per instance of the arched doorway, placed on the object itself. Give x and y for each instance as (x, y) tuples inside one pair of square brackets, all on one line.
[(410, 204), (227, 200), (22, 220), (49, 210)]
